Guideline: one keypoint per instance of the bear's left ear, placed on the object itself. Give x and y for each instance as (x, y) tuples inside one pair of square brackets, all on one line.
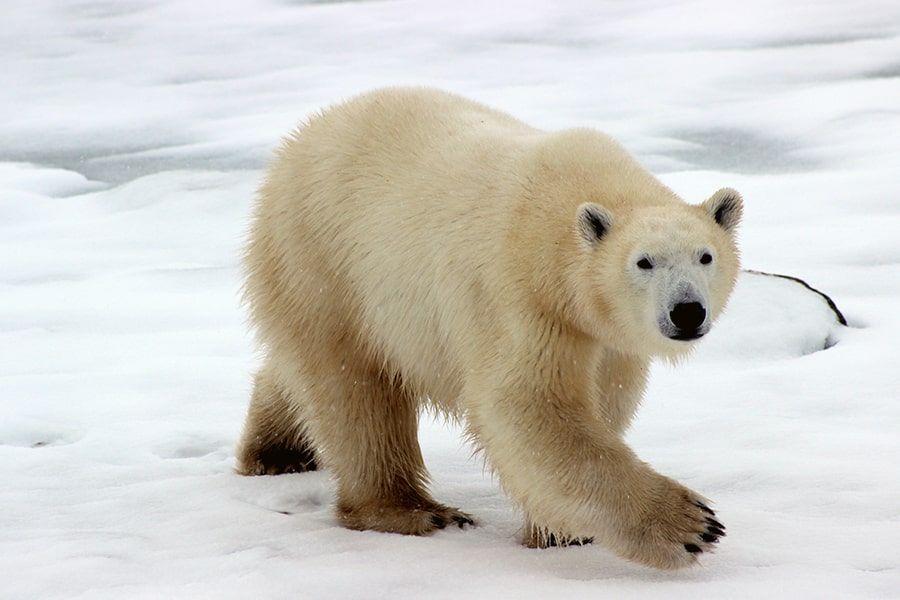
[(593, 222), (726, 208)]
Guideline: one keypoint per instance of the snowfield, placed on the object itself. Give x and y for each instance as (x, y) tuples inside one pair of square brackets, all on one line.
[(132, 138)]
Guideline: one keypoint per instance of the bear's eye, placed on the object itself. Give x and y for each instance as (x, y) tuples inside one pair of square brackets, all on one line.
[(645, 264), (706, 258)]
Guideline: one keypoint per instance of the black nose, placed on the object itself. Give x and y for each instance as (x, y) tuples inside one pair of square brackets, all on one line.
[(688, 316)]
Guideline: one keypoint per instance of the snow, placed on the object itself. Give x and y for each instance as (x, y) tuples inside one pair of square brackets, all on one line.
[(133, 137)]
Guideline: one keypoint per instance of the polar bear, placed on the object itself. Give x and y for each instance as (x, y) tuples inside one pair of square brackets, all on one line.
[(413, 248)]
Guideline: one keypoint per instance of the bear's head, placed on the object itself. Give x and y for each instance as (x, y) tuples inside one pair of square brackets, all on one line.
[(654, 277)]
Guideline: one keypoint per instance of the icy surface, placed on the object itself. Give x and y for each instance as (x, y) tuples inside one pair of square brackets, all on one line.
[(132, 138)]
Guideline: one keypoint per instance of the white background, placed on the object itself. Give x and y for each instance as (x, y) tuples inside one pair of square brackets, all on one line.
[(131, 139)]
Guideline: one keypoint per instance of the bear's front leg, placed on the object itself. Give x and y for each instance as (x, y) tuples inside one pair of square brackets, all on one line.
[(537, 536), (573, 474)]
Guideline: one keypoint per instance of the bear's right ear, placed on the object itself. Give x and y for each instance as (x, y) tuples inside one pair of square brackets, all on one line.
[(593, 222)]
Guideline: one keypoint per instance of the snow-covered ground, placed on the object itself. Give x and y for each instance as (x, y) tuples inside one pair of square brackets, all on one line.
[(133, 135)]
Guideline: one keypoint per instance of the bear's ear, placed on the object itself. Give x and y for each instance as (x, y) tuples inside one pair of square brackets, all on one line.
[(726, 208), (593, 222)]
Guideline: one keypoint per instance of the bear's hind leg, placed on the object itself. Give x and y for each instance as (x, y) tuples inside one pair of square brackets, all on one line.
[(365, 425), (274, 439)]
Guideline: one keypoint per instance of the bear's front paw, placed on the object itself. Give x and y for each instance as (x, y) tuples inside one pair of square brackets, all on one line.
[(674, 528)]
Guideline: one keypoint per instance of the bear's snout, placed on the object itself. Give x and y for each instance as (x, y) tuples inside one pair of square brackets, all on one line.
[(687, 317)]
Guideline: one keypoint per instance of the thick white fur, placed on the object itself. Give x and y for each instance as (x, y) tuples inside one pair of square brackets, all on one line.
[(429, 249)]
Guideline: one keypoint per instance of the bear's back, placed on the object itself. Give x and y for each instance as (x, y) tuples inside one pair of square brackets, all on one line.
[(392, 206)]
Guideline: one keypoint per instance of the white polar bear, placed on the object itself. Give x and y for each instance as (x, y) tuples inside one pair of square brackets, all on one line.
[(410, 247)]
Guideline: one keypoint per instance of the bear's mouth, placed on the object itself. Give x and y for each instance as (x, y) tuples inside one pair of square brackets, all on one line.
[(687, 336), (682, 335)]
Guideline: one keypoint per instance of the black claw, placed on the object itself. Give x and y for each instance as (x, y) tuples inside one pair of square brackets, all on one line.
[(716, 531), (553, 541), (567, 541), (692, 548), (704, 508), (709, 538), (578, 541), (463, 521), (438, 521), (715, 523)]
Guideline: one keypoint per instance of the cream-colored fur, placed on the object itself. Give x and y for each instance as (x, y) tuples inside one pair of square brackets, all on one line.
[(410, 246)]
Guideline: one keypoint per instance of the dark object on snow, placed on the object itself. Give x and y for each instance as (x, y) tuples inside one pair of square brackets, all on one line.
[(826, 297)]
